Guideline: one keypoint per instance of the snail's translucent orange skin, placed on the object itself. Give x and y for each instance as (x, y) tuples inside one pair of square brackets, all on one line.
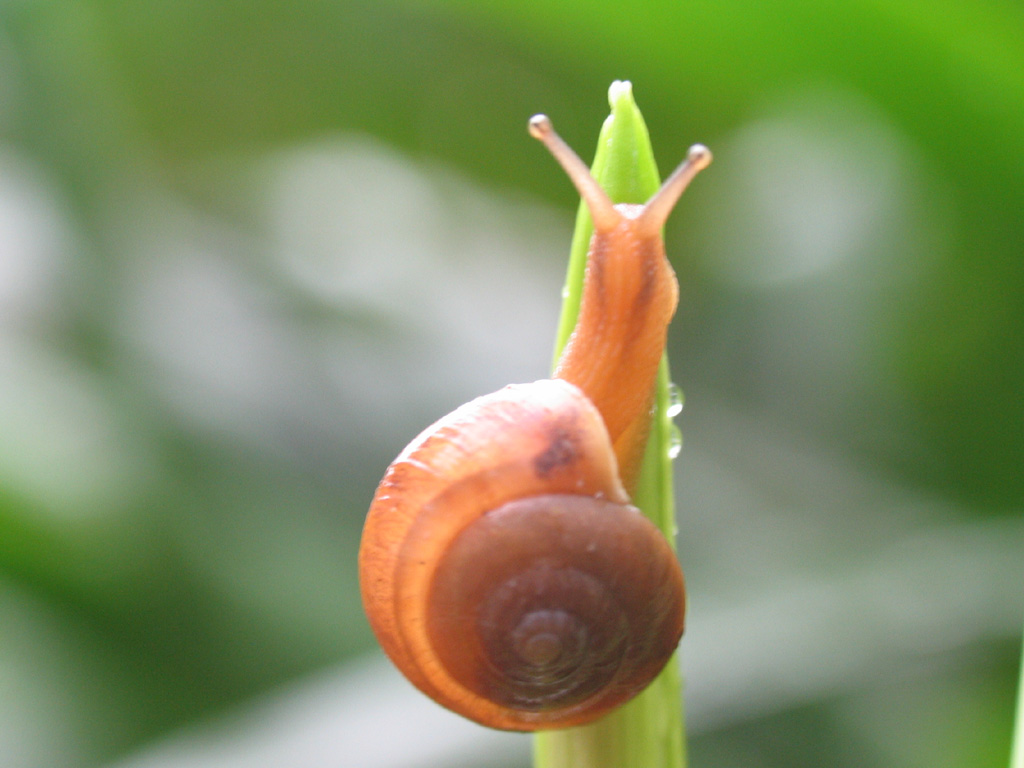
[(502, 567), (629, 297)]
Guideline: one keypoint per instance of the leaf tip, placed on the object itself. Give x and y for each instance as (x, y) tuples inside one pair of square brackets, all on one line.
[(620, 91)]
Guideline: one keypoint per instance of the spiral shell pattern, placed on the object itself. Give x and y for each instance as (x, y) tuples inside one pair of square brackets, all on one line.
[(504, 571)]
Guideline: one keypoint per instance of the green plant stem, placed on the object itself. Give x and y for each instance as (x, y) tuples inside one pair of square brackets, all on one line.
[(647, 732)]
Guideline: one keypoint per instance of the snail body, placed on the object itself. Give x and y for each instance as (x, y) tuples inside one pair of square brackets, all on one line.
[(502, 567)]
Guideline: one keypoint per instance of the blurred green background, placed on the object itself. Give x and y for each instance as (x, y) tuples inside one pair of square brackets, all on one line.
[(247, 250)]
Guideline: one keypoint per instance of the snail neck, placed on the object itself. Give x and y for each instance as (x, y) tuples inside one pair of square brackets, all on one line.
[(629, 297)]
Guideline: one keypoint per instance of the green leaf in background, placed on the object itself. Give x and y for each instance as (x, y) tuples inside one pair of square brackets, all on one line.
[(239, 247), (1017, 754)]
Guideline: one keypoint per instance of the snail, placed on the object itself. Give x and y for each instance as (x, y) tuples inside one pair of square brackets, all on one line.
[(502, 566)]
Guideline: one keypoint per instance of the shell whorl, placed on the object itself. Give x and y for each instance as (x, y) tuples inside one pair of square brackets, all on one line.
[(579, 607)]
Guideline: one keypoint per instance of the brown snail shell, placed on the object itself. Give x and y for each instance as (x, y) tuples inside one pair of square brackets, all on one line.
[(486, 561)]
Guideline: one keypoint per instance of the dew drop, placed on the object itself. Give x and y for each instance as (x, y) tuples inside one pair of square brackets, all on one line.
[(675, 401), (675, 442)]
